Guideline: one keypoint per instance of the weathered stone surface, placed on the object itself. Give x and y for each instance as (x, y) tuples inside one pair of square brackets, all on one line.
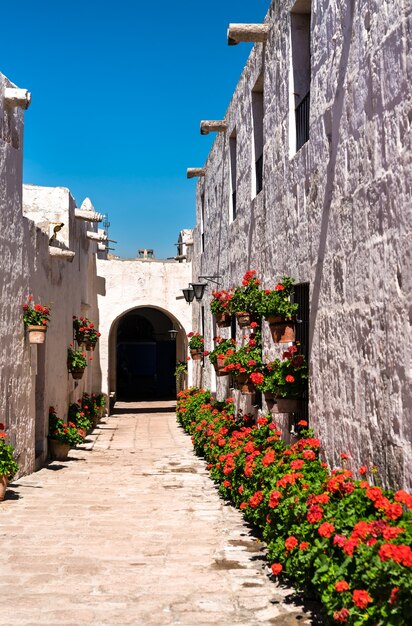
[(132, 532), (337, 215)]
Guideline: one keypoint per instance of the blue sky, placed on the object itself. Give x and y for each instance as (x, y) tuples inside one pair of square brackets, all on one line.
[(118, 91)]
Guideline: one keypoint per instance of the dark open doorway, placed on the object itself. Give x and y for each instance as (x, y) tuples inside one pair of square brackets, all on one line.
[(145, 355)]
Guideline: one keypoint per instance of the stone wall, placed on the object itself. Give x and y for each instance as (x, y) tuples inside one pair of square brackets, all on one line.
[(34, 377), (337, 215)]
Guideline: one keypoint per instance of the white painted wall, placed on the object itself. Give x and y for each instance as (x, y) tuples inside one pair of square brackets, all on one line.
[(337, 215), (124, 285)]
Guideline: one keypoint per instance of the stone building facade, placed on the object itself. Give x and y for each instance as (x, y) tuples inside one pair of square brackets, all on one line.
[(46, 251), (53, 250), (311, 176), (152, 289)]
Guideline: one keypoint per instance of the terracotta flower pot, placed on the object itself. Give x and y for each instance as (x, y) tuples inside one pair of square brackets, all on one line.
[(196, 355), (243, 384), (247, 388), (58, 450), (287, 405), (80, 338), (223, 320), (244, 319), (37, 334), (270, 399), (90, 346), (219, 366), (282, 330), (3, 486), (77, 374)]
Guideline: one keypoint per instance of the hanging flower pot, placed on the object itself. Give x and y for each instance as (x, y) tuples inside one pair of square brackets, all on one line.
[(243, 384), (270, 399), (90, 346), (287, 405), (58, 450), (196, 355), (80, 338), (37, 334), (77, 374), (281, 329), (223, 320), (244, 319), (220, 365)]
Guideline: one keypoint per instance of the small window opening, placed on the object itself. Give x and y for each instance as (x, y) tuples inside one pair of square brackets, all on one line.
[(233, 176), (202, 222), (300, 74), (258, 115)]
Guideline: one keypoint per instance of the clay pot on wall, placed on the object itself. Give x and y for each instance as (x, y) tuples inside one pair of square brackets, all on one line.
[(244, 385), (3, 486), (90, 346), (270, 399), (287, 405), (223, 320), (58, 450), (282, 331), (219, 366), (37, 334), (244, 319), (77, 374), (80, 338), (196, 355)]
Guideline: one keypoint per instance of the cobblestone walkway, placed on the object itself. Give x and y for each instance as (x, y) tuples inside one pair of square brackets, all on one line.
[(130, 530)]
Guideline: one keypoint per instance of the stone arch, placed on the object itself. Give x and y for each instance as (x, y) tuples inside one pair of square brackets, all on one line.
[(141, 363)]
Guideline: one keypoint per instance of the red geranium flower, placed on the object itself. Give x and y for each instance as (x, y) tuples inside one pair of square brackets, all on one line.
[(341, 585), (276, 568), (361, 598)]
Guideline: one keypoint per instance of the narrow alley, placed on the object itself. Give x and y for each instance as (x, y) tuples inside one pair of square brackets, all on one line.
[(130, 530)]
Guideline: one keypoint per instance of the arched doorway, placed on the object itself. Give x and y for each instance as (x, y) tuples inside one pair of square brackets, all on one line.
[(145, 355)]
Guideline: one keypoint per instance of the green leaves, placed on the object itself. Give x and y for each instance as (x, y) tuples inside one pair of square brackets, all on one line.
[(326, 529)]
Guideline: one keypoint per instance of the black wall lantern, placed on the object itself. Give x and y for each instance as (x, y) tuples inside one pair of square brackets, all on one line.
[(199, 289), (188, 294), (173, 334)]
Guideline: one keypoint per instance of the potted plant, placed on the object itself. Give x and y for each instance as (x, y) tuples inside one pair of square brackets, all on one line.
[(92, 337), (85, 332), (76, 362), (180, 374), (276, 307), (285, 380), (220, 307), (243, 364), (62, 436), (90, 408), (35, 318), (222, 349), (78, 417), (8, 466), (101, 403), (196, 343), (245, 300)]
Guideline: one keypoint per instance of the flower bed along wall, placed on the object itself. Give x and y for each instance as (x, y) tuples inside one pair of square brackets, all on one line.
[(347, 541)]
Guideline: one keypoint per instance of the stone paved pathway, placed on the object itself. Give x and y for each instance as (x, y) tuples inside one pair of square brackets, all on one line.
[(131, 530)]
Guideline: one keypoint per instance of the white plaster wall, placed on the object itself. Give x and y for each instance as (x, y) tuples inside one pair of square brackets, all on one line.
[(16, 405), (127, 284), (34, 377), (337, 215)]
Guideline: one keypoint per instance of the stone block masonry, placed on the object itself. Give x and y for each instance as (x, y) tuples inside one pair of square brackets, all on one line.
[(335, 214)]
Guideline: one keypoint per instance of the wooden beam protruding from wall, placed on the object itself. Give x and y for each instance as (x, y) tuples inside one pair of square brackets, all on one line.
[(212, 126), (193, 172), (251, 33), (15, 97)]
